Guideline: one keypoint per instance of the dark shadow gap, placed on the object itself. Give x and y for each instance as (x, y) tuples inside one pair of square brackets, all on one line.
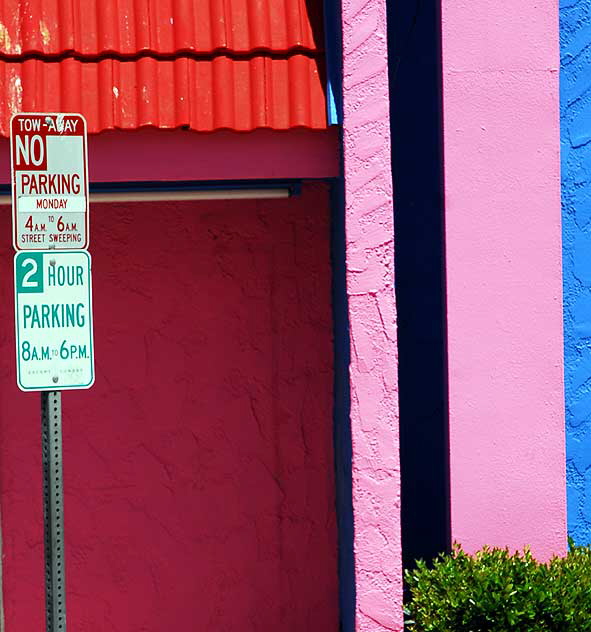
[(95, 58), (417, 166), (343, 451)]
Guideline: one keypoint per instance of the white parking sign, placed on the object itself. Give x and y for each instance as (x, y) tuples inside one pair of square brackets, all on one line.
[(53, 312)]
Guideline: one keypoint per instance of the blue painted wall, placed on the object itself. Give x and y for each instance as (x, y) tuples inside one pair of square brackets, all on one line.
[(575, 36)]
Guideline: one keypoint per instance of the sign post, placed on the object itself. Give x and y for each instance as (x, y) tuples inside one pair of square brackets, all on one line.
[(53, 511), (53, 301)]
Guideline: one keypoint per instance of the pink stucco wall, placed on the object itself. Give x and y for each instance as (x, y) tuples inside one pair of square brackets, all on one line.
[(198, 470), (370, 288), (503, 249)]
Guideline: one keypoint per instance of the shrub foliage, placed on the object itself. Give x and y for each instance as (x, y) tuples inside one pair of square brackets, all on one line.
[(496, 591)]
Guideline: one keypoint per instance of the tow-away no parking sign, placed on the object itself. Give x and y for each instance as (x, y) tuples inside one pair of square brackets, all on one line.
[(49, 181)]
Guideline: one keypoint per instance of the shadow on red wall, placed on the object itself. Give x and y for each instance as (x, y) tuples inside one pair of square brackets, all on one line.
[(199, 468)]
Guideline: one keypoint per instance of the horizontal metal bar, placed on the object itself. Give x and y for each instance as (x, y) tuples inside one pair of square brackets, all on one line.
[(155, 196), (220, 194)]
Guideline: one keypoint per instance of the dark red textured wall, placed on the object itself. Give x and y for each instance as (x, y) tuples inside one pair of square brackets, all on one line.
[(199, 468)]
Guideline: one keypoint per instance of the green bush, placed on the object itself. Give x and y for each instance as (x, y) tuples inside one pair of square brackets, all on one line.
[(495, 591)]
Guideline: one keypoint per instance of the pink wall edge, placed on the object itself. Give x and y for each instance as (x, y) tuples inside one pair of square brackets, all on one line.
[(504, 278), (372, 313), (150, 154)]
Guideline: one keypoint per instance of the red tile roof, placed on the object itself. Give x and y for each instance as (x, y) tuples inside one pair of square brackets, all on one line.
[(201, 64)]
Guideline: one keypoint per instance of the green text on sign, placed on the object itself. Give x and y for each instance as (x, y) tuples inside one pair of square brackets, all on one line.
[(53, 315)]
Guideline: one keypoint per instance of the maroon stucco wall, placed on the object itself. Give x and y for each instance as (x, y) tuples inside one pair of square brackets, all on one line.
[(199, 468)]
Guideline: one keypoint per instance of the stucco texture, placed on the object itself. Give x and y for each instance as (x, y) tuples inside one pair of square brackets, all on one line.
[(575, 40), (370, 288), (199, 486), (503, 274)]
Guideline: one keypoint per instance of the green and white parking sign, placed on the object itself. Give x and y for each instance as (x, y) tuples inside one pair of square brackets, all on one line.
[(53, 311)]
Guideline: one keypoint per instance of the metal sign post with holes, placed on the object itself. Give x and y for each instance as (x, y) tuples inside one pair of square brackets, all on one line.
[(53, 511), (53, 301)]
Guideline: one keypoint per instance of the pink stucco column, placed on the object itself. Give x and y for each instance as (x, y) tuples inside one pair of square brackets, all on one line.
[(370, 289), (504, 282)]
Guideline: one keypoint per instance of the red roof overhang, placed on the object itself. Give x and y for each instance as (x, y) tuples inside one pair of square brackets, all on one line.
[(199, 64)]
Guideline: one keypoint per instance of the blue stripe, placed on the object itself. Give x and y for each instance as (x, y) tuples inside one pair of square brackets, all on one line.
[(575, 39), (334, 69)]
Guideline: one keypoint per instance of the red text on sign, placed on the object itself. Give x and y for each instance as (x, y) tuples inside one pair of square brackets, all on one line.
[(50, 184)]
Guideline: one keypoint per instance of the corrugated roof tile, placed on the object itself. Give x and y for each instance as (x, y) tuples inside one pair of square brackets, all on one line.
[(163, 27), (200, 64), (203, 95)]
